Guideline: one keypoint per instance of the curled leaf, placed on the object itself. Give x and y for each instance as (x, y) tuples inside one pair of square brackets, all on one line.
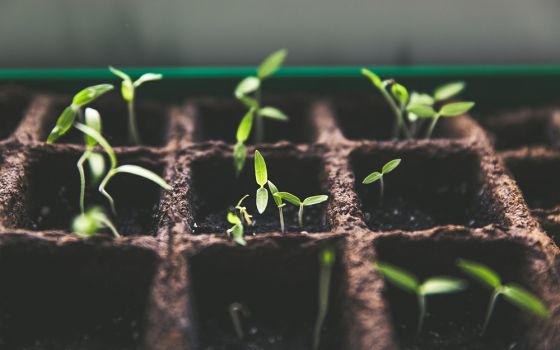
[(143, 172), (373, 77), (63, 124)]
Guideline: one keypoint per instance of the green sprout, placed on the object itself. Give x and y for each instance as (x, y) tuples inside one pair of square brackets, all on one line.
[(326, 261), (307, 202), (115, 168), (248, 91), (68, 116), (89, 223), (262, 178), (378, 176), (240, 150), (237, 229), (243, 213), (278, 200), (236, 310), (128, 91), (449, 110), (512, 293), (409, 283)]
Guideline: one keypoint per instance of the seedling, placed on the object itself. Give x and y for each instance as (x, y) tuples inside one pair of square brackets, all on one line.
[(262, 178), (248, 91), (307, 202), (236, 310), (237, 230), (115, 168), (68, 116), (378, 176), (409, 283), (449, 110), (240, 150), (243, 213), (128, 91), (89, 223), (326, 261), (278, 200), (512, 293)]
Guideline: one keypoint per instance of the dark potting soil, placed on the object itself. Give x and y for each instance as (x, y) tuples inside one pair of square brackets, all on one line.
[(13, 104)]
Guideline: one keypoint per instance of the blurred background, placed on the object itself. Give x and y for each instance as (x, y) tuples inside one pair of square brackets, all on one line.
[(77, 33)]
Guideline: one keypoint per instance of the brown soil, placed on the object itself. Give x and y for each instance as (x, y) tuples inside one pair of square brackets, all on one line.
[(168, 282)]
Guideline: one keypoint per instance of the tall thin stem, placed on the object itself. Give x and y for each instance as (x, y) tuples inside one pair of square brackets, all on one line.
[(381, 190), (399, 119), (491, 304), (133, 134), (236, 310), (421, 313), (259, 122), (281, 219), (80, 166), (432, 126), (324, 288), (300, 216)]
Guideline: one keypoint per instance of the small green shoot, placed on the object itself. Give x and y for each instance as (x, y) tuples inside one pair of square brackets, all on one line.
[(68, 116), (409, 283), (240, 150), (449, 110), (278, 200), (262, 178), (89, 223), (243, 213), (237, 230), (307, 202), (378, 176), (248, 91), (115, 168), (326, 261), (513, 293), (236, 310), (128, 91)]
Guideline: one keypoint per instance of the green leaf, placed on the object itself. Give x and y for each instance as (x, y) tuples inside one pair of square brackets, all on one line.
[(96, 163), (390, 166), (100, 139), (271, 64), (85, 226), (373, 77), (146, 78), (399, 277), (525, 300), (127, 90), (273, 189), (63, 124), (89, 94), (245, 126), (449, 90), (480, 272), (119, 73), (247, 86), (327, 257), (455, 108), (262, 199), (421, 111), (273, 113), (289, 198), (93, 120), (233, 219), (442, 285), (400, 93), (143, 172), (309, 201), (421, 99), (239, 157), (260, 169), (371, 178), (238, 234)]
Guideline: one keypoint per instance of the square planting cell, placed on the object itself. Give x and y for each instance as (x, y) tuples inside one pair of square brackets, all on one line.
[(216, 189), (151, 117), (454, 321), (53, 190), (13, 105), (428, 189), (278, 284), (218, 119), (73, 297)]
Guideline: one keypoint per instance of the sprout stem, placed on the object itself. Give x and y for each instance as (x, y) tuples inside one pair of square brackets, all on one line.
[(399, 121), (235, 312), (432, 126), (102, 186), (421, 313), (281, 219), (259, 122), (381, 190), (133, 134), (324, 288), (300, 215), (80, 166), (493, 299)]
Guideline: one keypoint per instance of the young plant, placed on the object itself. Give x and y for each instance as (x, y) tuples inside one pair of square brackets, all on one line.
[(512, 293), (449, 110), (236, 310), (89, 223), (278, 200), (243, 213), (240, 150), (115, 168), (237, 230), (262, 178), (378, 176), (248, 91), (409, 283), (326, 261), (128, 91), (307, 202), (80, 100)]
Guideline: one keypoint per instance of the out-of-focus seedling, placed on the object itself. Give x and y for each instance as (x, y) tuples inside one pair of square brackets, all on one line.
[(128, 91), (326, 262), (115, 168), (512, 293), (262, 178), (243, 131), (88, 223), (248, 91), (236, 311), (409, 283), (278, 200), (237, 230), (80, 100), (307, 202), (449, 110), (378, 176)]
